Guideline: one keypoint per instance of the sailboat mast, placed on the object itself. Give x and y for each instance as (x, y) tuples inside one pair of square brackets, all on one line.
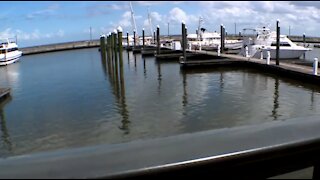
[(150, 24), (134, 26)]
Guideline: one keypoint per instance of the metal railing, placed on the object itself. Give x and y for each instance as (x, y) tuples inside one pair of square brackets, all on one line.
[(255, 151)]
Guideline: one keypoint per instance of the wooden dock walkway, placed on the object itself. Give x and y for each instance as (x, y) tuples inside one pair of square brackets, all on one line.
[(284, 65), (295, 71)]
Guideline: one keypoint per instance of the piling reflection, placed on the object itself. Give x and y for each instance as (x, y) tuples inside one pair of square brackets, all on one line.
[(221, 82), (135, 62), (144, 68), (128, 57), (117, 82), (276, 99), (185, 94), (159, 77), (5, 137)]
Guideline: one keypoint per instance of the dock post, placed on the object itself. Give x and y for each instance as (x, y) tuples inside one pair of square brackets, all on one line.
[(186, 35), (120, 56), (128, 42), (134, 39), (154, 37), (158, 39), (120, 39), (143, 38), (268, 56), (184, 41), (278, 43), (304, 44), (109, 47), (315, 66), (224, 38), (219, 49), (261, 54), (304, 39), (200, 48), (221, 38), (115, 39), (111, 40), (103, 46), (190, 46)]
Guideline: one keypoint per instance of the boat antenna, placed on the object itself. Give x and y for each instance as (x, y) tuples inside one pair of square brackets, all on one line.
[(133, 21)]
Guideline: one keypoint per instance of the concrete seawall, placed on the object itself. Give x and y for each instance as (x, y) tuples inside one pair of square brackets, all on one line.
[(96, 43), (59, 47)]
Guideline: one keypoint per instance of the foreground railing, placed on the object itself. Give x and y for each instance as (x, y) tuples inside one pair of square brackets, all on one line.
[(256, 151)]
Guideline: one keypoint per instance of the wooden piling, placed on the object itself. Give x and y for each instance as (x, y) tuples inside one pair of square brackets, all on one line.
[(221, 39), (158, 39), (304, 44), (143, 38), (111, 40), (186, 39), (103, 46), (128, 44), (154, 37), (120, 59), (278, 43), (184, 42), (224, 37), (134, 39), (115, 39), (120, 39)]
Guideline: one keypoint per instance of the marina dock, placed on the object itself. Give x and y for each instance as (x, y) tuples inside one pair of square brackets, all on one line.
[(296, 71)]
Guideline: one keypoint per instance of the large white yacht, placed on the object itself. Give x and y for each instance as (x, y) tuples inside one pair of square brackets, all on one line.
[(263, 39), (211, 41), (9, 52)]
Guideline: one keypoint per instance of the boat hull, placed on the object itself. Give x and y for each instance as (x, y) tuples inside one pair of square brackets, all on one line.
[(283, 54), (10, 58)]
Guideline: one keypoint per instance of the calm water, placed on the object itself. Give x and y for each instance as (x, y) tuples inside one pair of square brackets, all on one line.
[(73, 99)]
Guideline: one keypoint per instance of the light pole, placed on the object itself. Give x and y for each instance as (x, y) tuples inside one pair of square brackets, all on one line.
[(90, 34)]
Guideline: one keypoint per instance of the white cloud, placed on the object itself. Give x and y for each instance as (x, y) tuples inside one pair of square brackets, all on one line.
[(126, 20), (44, 13), (60, 33), (155, 16), (177, 15), (34, 35), (115, 7)]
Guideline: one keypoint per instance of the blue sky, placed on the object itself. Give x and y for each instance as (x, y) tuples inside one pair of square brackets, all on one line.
[(36, 22)]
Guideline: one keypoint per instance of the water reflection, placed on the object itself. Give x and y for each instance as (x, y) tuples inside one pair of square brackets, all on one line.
[(276, 99), (144, 68), (135, 62), (126, 106), (116, 79), (5, 137), (312, 99), (159, 77), (221, 82)]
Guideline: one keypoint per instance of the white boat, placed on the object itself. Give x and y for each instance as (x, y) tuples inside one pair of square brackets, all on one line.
[(9, 52), (210, 40), (264, 39)]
